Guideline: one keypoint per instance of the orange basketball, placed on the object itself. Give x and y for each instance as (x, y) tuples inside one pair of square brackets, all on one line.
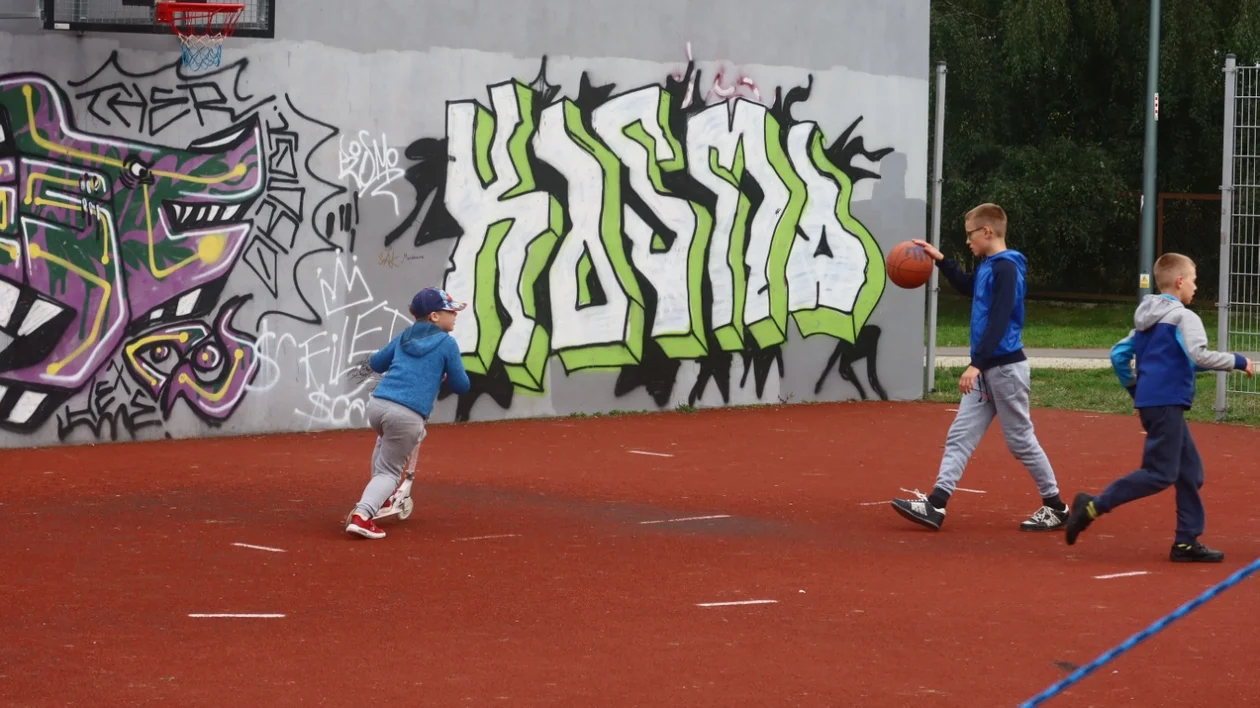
[(909, 266)]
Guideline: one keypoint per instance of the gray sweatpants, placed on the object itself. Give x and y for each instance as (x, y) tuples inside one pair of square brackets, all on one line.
[(1003, 392), (399, 431)]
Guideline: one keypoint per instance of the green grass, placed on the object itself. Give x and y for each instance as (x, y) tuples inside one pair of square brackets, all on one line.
[(1097, 390), (1055, 325)]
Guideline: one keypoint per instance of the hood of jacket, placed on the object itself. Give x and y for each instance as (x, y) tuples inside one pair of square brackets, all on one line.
[(1152, 310), (421, 338), (1020, 261)]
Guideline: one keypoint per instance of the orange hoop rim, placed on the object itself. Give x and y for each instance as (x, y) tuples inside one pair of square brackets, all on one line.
[(198, 17)]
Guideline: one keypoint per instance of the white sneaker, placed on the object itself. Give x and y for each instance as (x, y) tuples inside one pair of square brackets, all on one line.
[(1045, 519)]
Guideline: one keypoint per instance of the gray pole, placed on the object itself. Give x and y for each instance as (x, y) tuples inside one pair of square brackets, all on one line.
[(935, 238), (1227, 208), (1149, 196)]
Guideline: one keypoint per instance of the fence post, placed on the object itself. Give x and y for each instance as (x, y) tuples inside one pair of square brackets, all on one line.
[(935, 237), (1227, 208), (1150, 192)]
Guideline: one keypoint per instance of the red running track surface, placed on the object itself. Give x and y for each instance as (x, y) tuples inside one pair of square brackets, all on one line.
[(526, 575)]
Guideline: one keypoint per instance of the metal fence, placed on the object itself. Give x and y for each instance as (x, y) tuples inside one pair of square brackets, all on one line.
[(1238, 329)]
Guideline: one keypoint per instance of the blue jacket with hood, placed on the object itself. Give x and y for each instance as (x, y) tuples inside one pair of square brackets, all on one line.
[(1167, 346), (997, 289), (413, 364)]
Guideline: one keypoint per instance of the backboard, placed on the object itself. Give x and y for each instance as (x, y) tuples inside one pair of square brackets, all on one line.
[(138, 17)]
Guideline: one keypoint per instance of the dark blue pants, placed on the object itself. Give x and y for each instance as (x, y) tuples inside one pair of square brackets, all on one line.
[(1169, 459)]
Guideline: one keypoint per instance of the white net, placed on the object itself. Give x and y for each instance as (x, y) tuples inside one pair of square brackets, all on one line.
[(201, 28), (202, 51)]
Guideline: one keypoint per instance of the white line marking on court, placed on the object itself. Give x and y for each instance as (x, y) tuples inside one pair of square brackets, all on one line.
[(738, 602), (874, 503), (482, 538), (688, 518), (259, 548), (919, 494), (1121, 575), (262, 616), (653, 454)]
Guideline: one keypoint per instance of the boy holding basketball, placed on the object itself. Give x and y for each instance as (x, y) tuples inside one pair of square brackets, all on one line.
[(1166, 348), (996, 384), (414, 364)]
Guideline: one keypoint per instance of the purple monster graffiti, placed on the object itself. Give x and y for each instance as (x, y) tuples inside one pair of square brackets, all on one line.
[(109, 244)]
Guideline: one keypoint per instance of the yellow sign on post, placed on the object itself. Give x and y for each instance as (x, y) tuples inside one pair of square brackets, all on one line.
[(1144, 281)]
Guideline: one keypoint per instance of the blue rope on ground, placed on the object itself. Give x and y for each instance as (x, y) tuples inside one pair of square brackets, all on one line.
[(1142, 636)]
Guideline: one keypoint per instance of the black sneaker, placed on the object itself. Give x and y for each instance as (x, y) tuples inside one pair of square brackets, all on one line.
[(1194, 553), (1080, 517), (1045, 519), (921, 512)]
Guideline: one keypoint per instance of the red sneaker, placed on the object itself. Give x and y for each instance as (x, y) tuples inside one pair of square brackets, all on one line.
[(363, 527)]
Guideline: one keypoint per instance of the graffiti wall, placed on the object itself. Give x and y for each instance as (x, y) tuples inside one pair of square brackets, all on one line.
[(209, 253)]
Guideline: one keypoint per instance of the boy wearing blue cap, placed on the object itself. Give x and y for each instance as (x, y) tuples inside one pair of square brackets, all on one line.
[(414, 365)]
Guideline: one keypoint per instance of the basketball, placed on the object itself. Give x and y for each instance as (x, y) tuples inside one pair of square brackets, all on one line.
[(909, 266)]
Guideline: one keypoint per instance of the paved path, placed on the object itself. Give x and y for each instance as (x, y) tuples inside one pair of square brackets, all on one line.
[(1050, 358), (1038, 358)]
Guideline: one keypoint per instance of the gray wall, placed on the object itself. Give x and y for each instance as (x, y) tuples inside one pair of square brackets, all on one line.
[(557, 164)]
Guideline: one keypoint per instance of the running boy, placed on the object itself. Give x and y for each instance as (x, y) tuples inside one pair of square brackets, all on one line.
[(997, 381), (1167, 346), (414, 364)]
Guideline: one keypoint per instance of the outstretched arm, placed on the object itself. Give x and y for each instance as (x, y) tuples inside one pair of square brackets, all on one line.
[(963, 282), (1194, 338)]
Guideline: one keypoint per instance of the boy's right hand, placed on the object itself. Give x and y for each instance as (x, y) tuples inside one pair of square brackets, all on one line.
[(1251, 368), (928, 248)]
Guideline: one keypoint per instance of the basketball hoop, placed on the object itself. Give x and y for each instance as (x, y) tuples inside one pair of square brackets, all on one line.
[(201, 28)]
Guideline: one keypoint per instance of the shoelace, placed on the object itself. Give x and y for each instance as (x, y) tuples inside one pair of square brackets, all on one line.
[(920, 495), (1045, 513)]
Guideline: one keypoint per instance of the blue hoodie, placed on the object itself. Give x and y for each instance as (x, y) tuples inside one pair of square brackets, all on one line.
[(1165, 349), (413, 364), (997, 289)]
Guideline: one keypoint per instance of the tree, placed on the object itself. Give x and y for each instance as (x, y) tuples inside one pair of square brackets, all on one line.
[(1045, 115)]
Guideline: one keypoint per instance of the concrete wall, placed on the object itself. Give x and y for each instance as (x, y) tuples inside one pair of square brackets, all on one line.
[(647, 205)]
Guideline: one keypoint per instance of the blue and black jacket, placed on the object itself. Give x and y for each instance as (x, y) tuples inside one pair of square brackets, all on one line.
[(414, 363), (997, 289), (1167, 346)]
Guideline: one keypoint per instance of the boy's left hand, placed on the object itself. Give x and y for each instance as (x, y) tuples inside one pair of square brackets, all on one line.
[(967, 383)]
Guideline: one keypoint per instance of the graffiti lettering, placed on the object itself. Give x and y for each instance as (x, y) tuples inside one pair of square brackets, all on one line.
[(113, 244), (113, 406), (115, 253), (547, 200), (372, 165), (354, 323), (118, 98), (389, 258), (740, 85)]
